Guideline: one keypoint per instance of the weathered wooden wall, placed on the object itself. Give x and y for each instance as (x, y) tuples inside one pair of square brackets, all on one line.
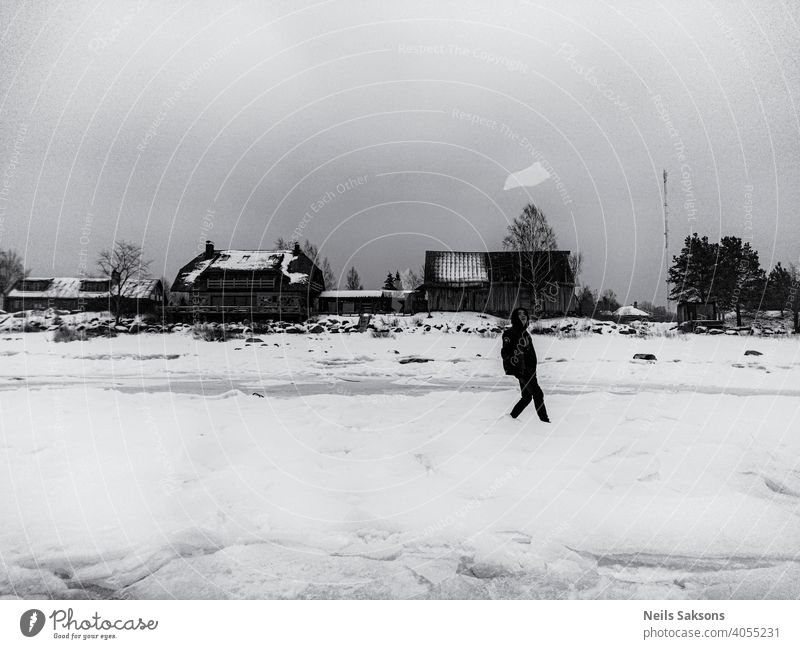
[(499, 298)]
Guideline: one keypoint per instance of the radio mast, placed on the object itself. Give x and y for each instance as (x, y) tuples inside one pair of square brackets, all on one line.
[(666, 213)]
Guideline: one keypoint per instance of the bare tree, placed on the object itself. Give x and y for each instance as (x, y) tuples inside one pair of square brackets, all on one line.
[(123, 263), (608, 301), (11, 270), (530, 231), (353, 280), (312, 252), (576, 265), (531, 235), (409, 280), (167, 285), (282, 244)]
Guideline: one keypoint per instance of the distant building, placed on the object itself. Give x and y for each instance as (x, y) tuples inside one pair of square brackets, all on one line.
[(247, 284), (693, 312), (631, 313), (84, 294), (497, 282), (350, 302)]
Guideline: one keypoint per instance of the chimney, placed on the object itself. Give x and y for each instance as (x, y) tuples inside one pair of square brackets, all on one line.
[(296, 248), (209, 249), (635, 304)]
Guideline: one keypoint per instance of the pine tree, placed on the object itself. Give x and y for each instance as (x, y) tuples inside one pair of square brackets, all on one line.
[(692, 273), (388, 284), (779, 288), (740, 279)]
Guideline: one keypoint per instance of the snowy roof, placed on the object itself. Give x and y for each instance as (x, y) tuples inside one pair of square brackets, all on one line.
[(630, 311), (80, 287), (453, 268), (295, 267), (349, 294), (462, 267), (346, 294)]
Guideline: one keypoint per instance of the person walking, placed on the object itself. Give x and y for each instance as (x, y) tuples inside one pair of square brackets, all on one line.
[(519, 360)]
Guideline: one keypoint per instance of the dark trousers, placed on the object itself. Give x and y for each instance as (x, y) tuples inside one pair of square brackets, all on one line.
[(530, 391)]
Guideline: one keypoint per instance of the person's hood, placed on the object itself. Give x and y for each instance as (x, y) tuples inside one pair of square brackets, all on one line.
[(516, 323)]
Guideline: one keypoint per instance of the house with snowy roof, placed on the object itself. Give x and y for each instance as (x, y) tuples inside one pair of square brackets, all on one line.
[(84, 294), (251, 284), (498, 282)]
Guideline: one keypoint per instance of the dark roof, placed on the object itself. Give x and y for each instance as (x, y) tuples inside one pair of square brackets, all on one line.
[(295, 267), (463, 269)]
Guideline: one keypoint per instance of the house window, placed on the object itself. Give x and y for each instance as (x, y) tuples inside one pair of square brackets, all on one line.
[(240, 282), (35, 284), (95, 286)]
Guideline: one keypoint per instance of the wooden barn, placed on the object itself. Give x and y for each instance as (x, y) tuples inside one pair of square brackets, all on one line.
[(497, 282), (247, 284), (84, 294)]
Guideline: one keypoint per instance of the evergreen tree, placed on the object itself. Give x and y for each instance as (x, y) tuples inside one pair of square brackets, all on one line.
[(793, 299), (779, 288), (740, 279), (388, 284), (692, 273)]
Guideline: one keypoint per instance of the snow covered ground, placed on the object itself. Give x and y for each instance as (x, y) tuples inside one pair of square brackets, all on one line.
[(145, 466)]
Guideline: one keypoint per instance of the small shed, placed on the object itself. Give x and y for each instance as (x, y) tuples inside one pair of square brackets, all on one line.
[(351, 302), (695, 310)]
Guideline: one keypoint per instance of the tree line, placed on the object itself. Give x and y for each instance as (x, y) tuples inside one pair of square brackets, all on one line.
[(729, 273)]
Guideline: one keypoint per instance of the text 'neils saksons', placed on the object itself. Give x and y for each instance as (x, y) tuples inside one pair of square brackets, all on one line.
[(682, 615)]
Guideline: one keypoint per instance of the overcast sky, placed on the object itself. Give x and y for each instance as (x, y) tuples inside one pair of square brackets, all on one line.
[(381, 129)]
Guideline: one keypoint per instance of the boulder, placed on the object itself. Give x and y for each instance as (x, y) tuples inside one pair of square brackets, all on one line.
[(752, 352), (253, 340), (317, 329), (645, 357)]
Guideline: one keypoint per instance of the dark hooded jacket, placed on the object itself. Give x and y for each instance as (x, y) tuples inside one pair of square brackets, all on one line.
[(519, 357)]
